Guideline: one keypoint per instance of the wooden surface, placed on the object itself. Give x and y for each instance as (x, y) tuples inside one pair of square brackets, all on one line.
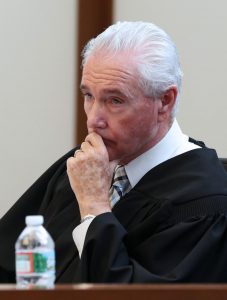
[(119, 292)]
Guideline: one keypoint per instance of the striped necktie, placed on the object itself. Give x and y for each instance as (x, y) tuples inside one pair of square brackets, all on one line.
[(120, 185)]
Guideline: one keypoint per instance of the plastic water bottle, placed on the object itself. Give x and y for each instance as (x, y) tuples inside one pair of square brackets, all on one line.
[(35, 256)]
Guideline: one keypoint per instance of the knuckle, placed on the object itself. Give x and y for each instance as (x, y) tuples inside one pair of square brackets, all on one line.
[(70, 162)]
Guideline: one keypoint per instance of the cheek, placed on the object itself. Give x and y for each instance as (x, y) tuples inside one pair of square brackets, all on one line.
[(88, 104), (139, 127), (128, 132), (126, 128)]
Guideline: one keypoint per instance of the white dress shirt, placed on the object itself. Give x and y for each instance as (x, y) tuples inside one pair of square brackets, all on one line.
[(174, 143)]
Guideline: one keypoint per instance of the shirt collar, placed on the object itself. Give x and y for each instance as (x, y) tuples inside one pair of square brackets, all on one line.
[(168, 147)]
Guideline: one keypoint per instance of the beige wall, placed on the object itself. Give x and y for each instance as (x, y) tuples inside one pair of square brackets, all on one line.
[(199, 29), (37, 79)]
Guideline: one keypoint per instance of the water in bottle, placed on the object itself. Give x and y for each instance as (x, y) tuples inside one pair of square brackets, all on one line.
[(35, 256)]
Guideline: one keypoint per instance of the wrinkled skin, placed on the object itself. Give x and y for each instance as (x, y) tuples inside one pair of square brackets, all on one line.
[(122, 124)]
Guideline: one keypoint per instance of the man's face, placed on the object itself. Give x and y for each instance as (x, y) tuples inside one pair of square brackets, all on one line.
[(117, 109)]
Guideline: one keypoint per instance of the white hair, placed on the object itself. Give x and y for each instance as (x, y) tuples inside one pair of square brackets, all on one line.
[(155, 54)]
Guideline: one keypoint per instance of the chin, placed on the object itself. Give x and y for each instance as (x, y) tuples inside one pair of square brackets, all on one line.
[(112, 155)]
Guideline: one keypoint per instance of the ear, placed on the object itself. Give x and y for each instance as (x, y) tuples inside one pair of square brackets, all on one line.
[(167, 102)]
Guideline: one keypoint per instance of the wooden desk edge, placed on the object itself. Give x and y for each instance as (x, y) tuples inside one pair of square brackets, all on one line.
[(119, 291)]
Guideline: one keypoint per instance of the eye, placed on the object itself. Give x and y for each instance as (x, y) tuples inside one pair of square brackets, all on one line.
[(115, 101), (87, 96)]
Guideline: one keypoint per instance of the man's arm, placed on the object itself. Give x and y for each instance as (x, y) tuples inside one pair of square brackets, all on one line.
[(190, 251), (90, 174), (187, 251)]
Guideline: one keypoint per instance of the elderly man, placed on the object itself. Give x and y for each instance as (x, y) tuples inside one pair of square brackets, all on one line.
[(143, 202)]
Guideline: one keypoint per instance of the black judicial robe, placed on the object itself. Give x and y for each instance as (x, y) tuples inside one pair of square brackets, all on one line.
[(171, 227)]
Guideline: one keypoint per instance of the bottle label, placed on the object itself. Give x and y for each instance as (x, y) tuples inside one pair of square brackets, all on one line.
[(28, 262)]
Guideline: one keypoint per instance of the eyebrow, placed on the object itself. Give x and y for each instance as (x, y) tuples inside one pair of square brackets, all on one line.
[(83, 87), (113, 91)]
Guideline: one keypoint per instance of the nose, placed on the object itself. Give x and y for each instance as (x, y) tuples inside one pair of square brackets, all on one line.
[(96, 117)]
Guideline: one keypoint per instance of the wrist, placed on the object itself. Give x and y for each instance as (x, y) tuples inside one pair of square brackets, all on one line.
[(94, 209)]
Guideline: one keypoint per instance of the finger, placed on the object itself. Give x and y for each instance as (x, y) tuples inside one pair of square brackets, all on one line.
[(95, 140), (70, 163), (77, 152), (85, 146)]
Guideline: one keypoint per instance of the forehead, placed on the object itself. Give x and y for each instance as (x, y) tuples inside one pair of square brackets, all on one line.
[(106, 71)]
